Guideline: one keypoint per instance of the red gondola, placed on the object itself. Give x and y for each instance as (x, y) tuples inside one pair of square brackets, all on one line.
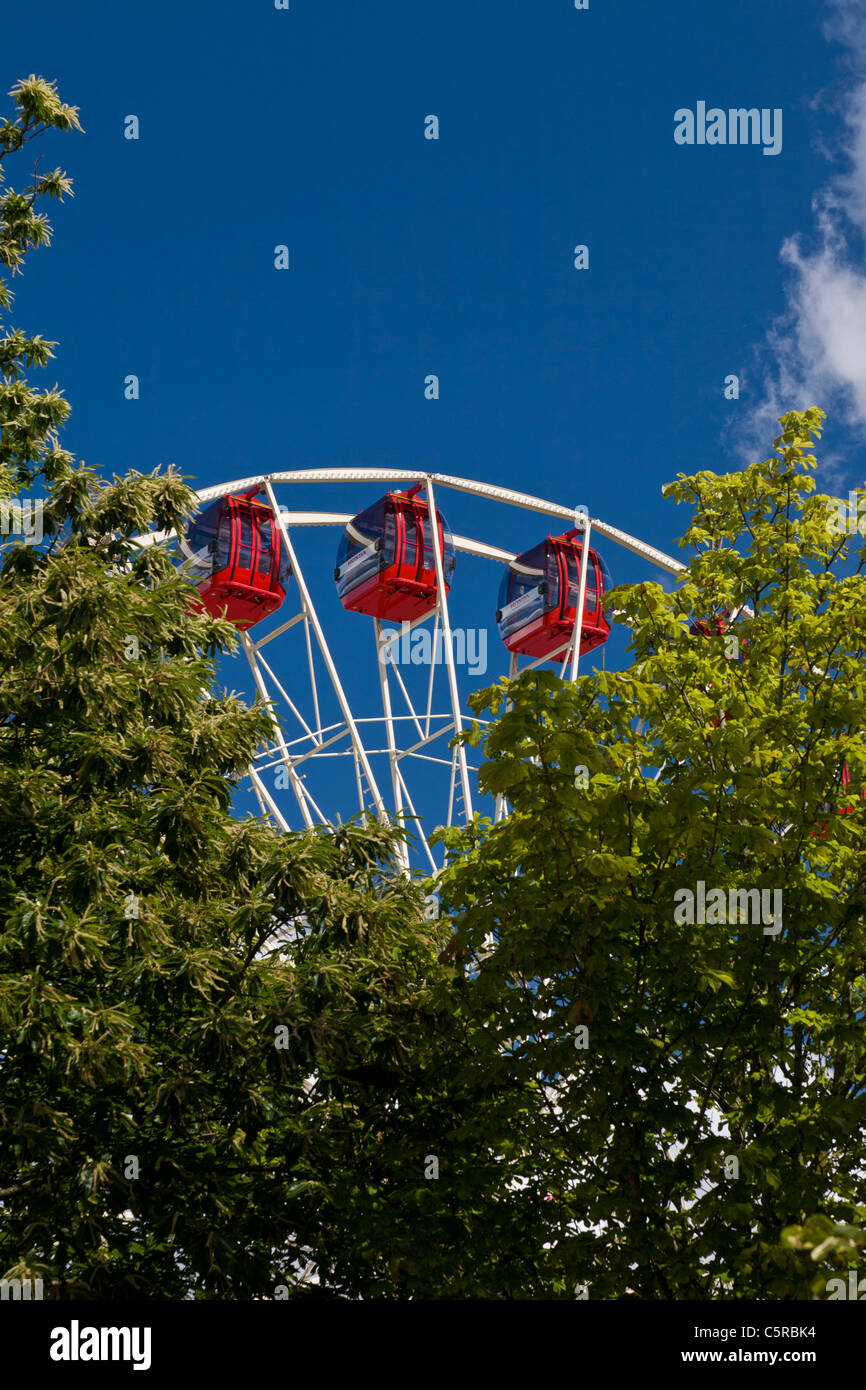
[(820, 832), (236, 560), (718, 627), (538, 599), (386, 567)]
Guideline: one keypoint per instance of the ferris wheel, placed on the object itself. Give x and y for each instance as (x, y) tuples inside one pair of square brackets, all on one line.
[(365, 684)]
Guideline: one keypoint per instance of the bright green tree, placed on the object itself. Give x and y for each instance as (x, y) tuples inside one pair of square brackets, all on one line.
[(706, 1072)]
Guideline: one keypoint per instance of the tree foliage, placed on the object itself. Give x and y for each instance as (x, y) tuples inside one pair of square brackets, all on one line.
[(706, 1078), (228, 1057)]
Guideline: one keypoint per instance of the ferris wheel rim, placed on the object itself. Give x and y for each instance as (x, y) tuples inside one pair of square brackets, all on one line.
[(491, 491)]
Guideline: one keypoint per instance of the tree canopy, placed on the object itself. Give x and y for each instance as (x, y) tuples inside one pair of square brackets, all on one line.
[(705, 1060), (228, 1056)]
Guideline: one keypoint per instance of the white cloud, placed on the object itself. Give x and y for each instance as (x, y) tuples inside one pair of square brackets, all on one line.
[(817, 348)]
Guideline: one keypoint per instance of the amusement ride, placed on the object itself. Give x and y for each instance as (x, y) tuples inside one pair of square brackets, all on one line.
[(395, 562)]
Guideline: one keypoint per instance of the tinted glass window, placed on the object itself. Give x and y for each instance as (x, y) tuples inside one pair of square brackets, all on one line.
[(198, 548), (429, 556), (573, 566), (449, 555), (360, 553), (223, 542), (526, 590), (285, 569), (606, 586), (390, 547), (265, 545), (410, 548)]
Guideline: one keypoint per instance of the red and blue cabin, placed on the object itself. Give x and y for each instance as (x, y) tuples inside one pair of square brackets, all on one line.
[(538, 595), (386, 566), (718, 626), (236, 560), (846, 781)]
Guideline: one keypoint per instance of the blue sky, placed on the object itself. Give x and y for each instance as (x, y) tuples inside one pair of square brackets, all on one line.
[(409, 256)]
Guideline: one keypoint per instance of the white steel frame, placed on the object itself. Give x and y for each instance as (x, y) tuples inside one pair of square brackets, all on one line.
[(425, 727)]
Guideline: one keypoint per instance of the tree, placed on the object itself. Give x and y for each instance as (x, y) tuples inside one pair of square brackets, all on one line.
[(704, 1060), (227, 1056), (833, 1248)]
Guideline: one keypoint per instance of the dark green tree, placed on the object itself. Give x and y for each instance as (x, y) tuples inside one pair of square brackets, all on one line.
[(227, 1056)]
